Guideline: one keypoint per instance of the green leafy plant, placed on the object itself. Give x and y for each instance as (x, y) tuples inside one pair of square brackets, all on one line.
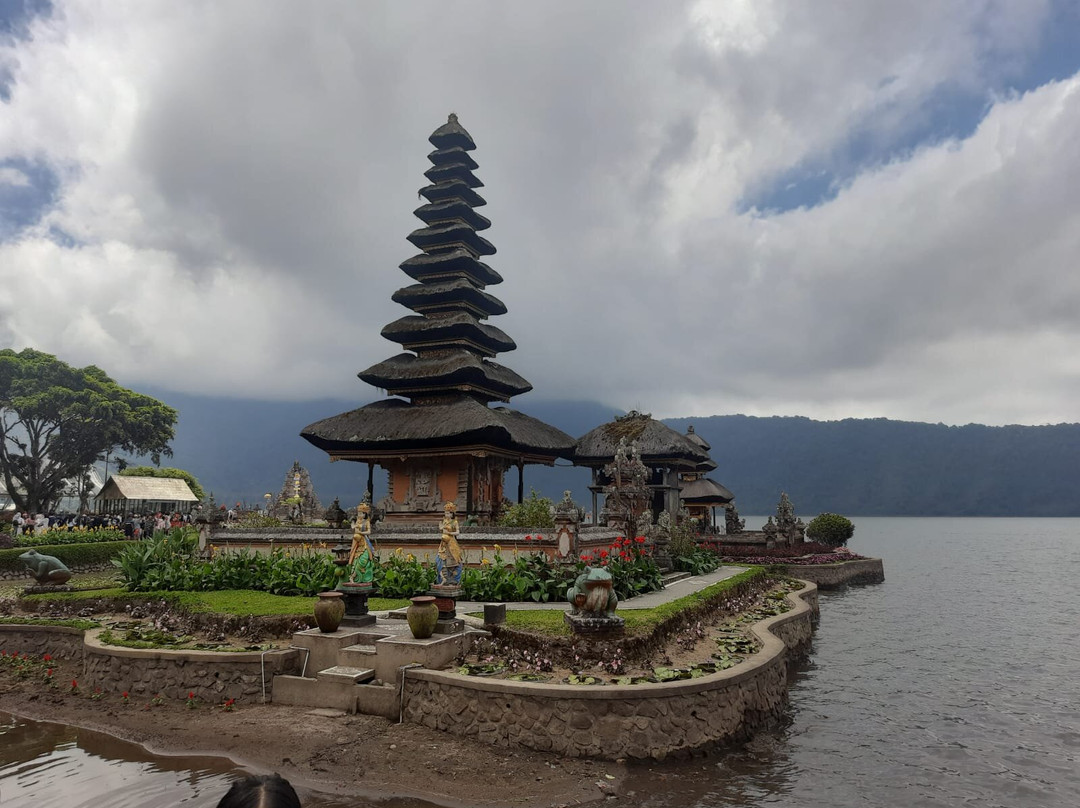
[(532, 512), (831, 529)]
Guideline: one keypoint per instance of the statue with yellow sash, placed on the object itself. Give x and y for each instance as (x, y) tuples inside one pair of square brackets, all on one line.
[(448, 562)]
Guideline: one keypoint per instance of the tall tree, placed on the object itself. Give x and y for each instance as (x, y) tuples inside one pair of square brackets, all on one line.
[(56, 420)]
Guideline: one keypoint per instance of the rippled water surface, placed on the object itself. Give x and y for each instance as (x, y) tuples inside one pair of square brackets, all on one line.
[(955, 682)]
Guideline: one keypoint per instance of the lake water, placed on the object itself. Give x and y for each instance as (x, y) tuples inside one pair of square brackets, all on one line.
[(957, 681)]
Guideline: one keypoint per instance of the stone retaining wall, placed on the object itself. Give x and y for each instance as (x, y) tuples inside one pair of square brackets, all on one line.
[(212, 676), (635, 721), (60, 642), (831, 576)]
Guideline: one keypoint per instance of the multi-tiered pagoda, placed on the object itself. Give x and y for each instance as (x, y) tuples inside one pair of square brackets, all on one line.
[(437, 437)]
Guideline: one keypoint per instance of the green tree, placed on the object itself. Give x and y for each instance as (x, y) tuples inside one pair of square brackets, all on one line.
[(533, 512), (171, 473), (56, 420), (830, 528)]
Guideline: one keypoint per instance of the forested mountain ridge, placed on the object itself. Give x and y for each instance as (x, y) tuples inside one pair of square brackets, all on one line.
[(240, 449), (895, 468)]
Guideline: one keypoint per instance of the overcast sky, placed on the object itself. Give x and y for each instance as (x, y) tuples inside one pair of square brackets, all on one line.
[(833, 209)]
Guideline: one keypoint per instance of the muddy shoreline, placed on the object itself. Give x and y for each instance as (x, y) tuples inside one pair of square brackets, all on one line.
[(336, 754)]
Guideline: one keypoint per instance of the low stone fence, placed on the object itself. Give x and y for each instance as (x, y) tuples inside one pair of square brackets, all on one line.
[(831, 576), (212, 676), (646, 721), (60, 642)]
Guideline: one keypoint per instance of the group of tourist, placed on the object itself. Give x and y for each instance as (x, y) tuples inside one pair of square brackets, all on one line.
[(132, 525)]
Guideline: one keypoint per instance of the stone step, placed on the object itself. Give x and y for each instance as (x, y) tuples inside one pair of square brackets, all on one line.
[(357, 655), (671, 577), (344, 673)]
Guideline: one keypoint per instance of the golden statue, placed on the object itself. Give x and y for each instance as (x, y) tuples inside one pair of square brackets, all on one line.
[(448, 561)]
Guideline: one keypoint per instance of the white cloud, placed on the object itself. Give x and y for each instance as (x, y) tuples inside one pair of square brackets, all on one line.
[(239, 178), (14, 177)]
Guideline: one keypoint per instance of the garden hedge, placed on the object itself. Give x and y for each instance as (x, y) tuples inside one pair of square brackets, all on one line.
[(73, 555)]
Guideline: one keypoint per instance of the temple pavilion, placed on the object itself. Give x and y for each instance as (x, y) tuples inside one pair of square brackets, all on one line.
[(438, 436), (666, 453)]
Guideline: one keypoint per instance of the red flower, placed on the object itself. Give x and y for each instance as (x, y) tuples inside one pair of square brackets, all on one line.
[(528, 538), (624, 555), (125, 694), (539, 538), (190, 695), (47, 658), (640, 539), (603, 553)]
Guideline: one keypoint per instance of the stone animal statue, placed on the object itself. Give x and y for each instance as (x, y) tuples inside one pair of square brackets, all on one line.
[(45, 569), (592, 595)]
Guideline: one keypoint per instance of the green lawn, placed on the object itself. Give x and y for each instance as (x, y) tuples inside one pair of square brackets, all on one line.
[(638, 621), (233, 602)]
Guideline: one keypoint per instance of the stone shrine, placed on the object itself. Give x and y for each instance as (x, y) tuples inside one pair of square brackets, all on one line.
[(296, 501)]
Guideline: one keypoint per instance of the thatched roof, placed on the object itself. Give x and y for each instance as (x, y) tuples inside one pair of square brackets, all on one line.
[(704, 491), (454, 189), (691, 435), (458, 328), (455, 155), (452, 134), (453, 232), (658, 443), (406, 374), (158, 489), (397, 426), (452, 209), (449, 265), (447, 296), (453, 171)]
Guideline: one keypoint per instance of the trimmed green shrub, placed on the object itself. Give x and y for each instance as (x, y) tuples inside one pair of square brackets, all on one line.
[(831, 529), (73, 555), (61, 535)]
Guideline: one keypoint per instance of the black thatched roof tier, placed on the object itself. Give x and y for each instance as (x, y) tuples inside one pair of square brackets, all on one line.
[(449, 211), (658, 443), (452, 135), (450, 171), (455, 155), (450, 266), (454, 189), (455, 295), (459, 329), (395, 426), (696, 438), (704, 491), (449, 236), (454, 370)]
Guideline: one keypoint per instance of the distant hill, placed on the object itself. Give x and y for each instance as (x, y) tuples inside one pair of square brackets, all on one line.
[(878, 467), (240, 449)]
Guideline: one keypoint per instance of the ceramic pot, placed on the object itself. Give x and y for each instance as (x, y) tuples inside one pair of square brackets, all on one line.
[(423, 616), (329, 609)]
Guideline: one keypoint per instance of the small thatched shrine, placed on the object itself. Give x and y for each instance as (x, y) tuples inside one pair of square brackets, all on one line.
[(665, 452), (701, 495), (437, 437)]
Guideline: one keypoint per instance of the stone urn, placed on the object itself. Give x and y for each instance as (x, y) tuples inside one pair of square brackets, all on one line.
[(423, 615), (329, 609)]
